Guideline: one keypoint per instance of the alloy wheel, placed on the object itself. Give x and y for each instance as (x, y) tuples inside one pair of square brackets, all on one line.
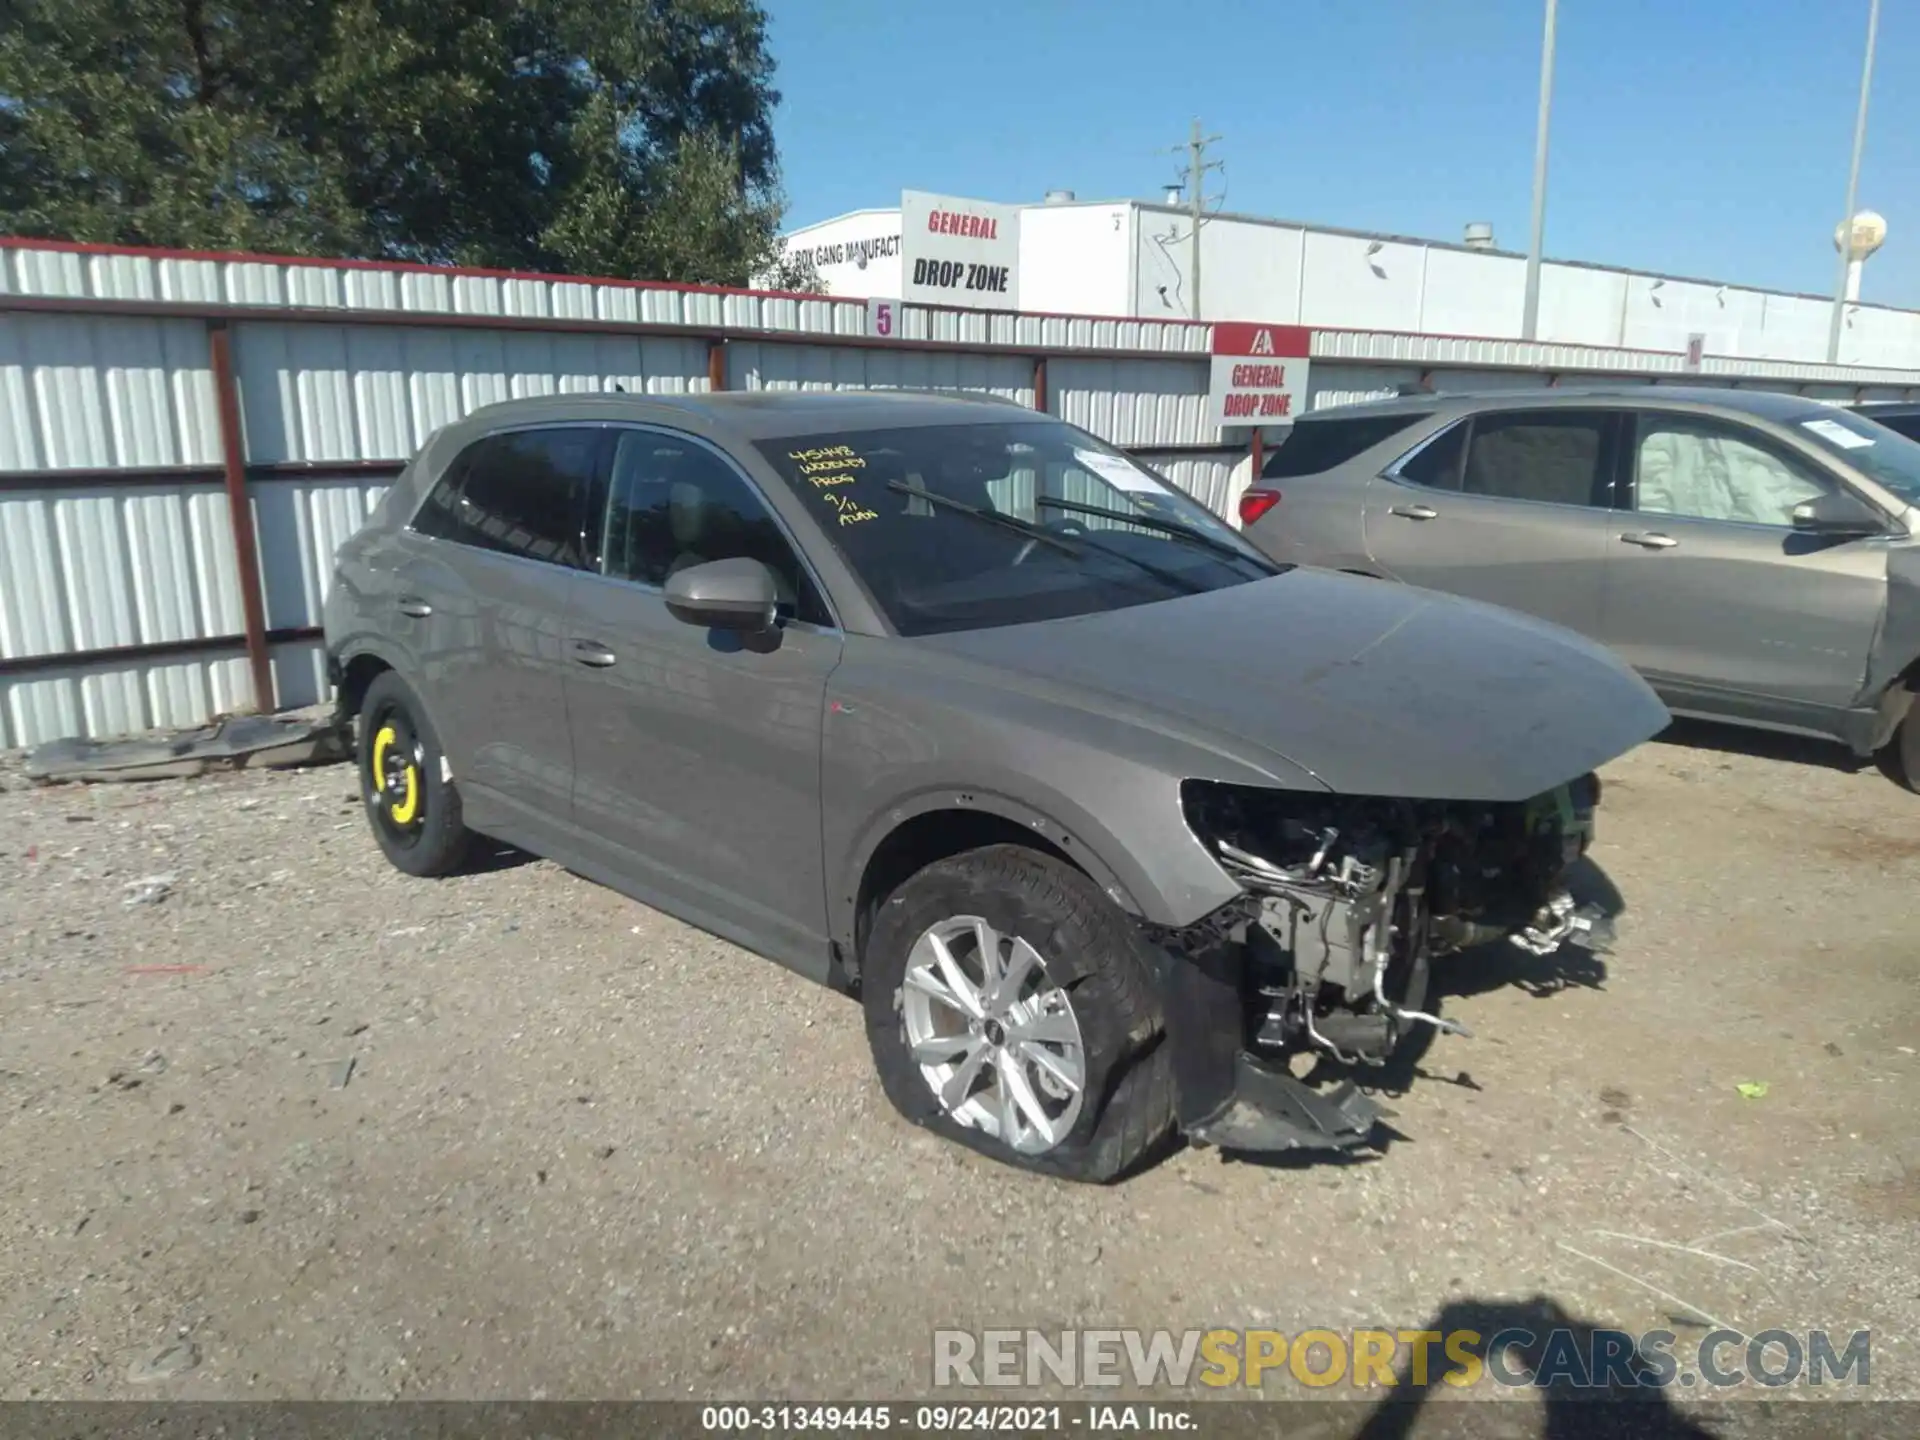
[(996, 1039)]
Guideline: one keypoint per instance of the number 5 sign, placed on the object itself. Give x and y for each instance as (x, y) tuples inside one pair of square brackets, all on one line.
[(883, 318)]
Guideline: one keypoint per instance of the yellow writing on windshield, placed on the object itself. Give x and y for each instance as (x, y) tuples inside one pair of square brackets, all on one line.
[(849, 510), (827, 467), (832, 462)]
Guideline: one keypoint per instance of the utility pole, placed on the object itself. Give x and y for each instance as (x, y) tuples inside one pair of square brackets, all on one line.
[(1853, 186), (1197, 167), (1530, 314)]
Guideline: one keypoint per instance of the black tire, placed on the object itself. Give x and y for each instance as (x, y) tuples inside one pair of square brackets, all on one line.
[(417, 823), (1090, 949), (1899, 758)]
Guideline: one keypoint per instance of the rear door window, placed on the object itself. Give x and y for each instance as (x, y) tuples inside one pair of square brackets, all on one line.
[(1315, 445), (1436, 464), (1553, 458), (518, 493)]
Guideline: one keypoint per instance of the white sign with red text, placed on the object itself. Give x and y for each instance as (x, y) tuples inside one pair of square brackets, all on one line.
[(883, 318), (959, 252), (1259, 373)]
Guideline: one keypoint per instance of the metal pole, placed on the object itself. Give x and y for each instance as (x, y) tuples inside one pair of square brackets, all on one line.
[(246, 544), (1196, 185), (1853, 186), (1530, 317)]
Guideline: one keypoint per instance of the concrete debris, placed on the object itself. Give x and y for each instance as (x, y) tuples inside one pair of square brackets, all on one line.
[(148, 891)]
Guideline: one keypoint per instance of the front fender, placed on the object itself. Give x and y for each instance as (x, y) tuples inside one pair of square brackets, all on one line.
[(1091, 846), (1896, 647)]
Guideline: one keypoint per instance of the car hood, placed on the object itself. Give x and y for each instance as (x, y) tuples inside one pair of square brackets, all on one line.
[(1374, 688)]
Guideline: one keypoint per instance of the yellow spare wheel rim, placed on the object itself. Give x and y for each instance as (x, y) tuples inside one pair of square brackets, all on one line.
[(393, 775)]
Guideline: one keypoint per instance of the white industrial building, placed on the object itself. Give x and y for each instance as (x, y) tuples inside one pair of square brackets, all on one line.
[(1132, 258)]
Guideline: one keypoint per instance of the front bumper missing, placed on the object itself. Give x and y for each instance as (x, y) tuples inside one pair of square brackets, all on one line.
[(1226, 1096)]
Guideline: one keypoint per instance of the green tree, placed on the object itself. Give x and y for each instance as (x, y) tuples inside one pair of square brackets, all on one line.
[(619, 137)]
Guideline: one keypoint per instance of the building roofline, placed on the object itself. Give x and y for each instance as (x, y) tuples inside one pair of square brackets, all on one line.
[(1456, 245), (1394, 238), (836, 219)]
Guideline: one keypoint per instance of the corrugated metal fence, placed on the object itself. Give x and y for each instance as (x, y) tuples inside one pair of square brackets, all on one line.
[(149, 400)]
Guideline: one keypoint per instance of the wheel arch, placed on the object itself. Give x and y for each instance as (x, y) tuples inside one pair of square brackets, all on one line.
[(355, 674), (932, 826)]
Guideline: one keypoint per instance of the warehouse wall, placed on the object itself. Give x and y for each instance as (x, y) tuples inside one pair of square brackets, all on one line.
[(1255, 269), (835, 248), (1073, 259)]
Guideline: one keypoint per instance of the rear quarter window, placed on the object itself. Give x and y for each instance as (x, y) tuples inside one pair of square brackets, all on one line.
[(517, 493), (1315, 446)]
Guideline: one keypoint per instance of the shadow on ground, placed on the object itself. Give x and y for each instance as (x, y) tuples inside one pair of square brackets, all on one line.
[(490, 856), (1710, 737), (1590, 1380)]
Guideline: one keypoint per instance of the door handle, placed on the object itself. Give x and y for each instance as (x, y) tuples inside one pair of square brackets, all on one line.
[(1415, 512), (416, 607), (1651, 540), (592, 652)]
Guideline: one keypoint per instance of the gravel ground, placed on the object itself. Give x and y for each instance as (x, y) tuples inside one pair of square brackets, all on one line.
[(304, 1127)]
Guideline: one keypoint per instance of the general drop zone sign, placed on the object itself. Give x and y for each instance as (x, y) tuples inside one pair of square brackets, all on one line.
[(959, 252), (1259, 374)]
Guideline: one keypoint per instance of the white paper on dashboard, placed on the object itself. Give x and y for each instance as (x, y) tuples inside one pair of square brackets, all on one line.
[(1836, 432), (1117, 472)]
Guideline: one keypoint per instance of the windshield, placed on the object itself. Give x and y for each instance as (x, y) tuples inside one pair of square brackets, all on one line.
[(1007, 527), (1884, 456)]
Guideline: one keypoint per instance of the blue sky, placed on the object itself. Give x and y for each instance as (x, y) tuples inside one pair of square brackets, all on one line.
[(1697, 137)]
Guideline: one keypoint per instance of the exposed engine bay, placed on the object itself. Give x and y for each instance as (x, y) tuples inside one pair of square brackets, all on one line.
[(1350, 900)]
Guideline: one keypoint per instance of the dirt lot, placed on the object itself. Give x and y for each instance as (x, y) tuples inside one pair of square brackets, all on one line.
[(584, 1151)]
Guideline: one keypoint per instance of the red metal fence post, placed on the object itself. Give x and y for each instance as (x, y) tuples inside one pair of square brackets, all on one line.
[(246, 553), (716, 364)]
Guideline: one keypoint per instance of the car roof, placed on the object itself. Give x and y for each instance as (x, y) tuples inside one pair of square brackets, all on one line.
[(763, 414), (1766, 404)]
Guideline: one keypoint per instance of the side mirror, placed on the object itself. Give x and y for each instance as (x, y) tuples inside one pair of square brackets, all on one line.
[(737, 594), (1837, 513)]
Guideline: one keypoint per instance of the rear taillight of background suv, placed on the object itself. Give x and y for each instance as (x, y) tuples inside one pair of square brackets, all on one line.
[(1255, 503)]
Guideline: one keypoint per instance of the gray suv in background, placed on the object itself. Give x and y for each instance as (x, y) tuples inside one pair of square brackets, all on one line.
[(1751, 554)]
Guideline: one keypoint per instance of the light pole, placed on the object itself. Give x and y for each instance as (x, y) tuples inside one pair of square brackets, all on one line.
[(1853, 184), (1530, 317)]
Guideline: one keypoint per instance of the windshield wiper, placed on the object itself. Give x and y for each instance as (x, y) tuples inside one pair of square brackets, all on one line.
[(1153, 522), (1046, 536), (992, 517)]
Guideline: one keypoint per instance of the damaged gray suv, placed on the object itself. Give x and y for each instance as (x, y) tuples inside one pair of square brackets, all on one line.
[(1104, 815)]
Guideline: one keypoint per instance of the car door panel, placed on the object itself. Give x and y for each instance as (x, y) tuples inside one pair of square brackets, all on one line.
[(1545, 556), (492, 670), (698, 751), (1710, 588), (482, 594)]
